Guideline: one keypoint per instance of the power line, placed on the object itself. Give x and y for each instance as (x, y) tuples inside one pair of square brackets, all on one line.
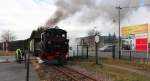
[(146, 5)]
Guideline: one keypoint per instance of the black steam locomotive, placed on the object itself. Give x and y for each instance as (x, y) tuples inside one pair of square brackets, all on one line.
[(51, 45), (54, 46)]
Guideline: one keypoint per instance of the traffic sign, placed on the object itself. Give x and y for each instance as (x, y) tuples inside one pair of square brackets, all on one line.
[(96, 38)]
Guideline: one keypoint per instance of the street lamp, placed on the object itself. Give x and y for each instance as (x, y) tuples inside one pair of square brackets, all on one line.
[(119, 9)]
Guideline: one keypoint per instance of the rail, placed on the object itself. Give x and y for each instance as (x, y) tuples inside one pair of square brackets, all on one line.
[(73, 74)]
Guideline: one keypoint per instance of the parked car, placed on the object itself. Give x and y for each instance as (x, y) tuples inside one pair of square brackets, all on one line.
[(106, 48)]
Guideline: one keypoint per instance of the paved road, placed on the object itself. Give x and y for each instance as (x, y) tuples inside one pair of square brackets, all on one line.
[(15, 72)]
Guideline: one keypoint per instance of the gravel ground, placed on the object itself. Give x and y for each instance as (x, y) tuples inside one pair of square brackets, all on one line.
[(95, 75), (56, 76)]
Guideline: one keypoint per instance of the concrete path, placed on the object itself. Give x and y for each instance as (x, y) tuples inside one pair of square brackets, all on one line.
[(5, 58), (15, 72)]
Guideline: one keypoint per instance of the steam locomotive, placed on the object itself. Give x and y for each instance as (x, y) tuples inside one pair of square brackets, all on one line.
[(52, 47)]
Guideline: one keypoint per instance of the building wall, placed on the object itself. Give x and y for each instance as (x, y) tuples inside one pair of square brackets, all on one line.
[(148, 33), (90, 41)]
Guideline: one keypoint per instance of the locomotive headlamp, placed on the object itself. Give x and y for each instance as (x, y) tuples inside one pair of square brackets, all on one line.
[(66, 42), (49, 42), (63, 35)]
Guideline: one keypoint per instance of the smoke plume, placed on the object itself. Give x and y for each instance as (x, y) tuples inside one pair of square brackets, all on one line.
[(87, 10), (90, 11), (58, 15)]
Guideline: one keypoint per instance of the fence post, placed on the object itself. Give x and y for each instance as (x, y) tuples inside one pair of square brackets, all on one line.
[(87, 52), (77, 50), (25, 59), (82, 51), (96, 52), (130, 55), (113, 52)]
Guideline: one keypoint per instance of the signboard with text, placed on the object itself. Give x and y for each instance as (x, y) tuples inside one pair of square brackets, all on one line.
[(138, 36)]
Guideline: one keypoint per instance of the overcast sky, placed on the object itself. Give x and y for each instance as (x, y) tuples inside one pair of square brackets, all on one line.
[(23, 16)]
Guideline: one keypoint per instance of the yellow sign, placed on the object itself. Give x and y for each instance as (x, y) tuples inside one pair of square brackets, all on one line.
[(138, 29)]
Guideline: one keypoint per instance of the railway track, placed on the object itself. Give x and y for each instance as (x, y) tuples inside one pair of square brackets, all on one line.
[(72, 74)]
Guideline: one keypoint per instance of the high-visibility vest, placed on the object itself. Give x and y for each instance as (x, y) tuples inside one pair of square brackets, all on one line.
[(18, 53)]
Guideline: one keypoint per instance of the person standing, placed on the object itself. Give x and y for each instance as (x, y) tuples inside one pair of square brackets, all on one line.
[(19, 56)]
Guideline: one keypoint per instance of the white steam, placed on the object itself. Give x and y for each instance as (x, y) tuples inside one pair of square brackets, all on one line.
[(79, 16)]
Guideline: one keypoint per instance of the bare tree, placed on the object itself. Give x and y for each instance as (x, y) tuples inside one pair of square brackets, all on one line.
[(91, 36), (93, 32), (8, 36)]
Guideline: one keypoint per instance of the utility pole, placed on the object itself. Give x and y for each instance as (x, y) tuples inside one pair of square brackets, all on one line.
[(119, 8)]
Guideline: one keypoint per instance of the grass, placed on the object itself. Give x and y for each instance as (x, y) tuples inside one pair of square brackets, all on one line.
[(130, 64), (114, 73), (9, 53), (136, 64)]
